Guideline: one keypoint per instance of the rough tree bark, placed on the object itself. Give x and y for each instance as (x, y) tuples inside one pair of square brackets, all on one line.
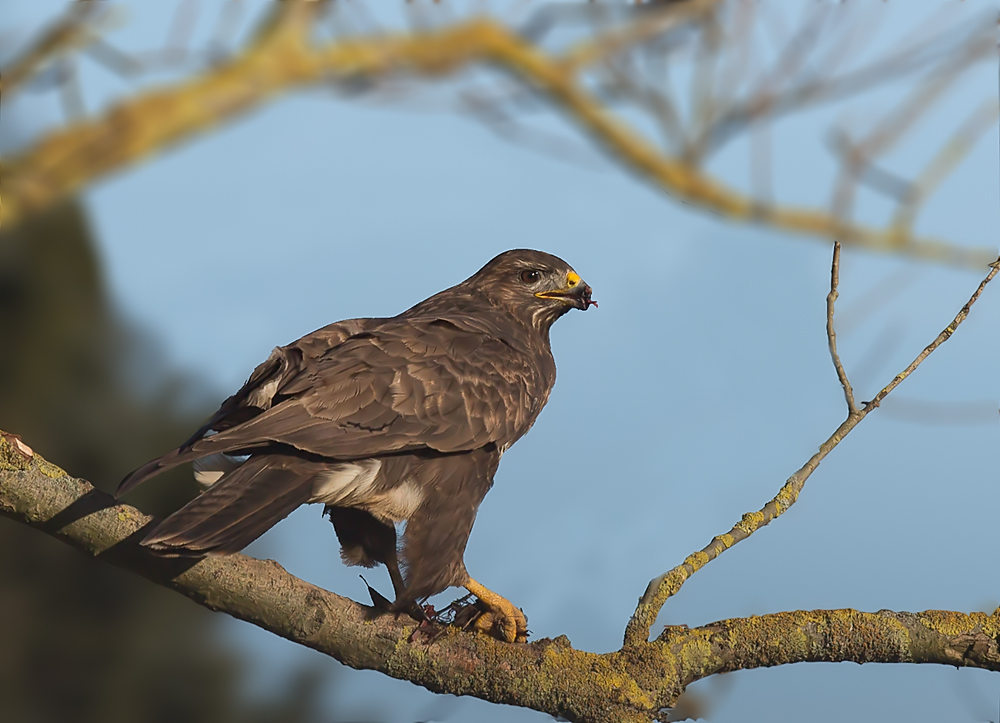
[(645, 676), (631, 684)]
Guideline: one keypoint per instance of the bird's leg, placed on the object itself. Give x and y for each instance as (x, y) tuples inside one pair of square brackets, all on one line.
[(392, 565), (503, 620), (399, 587)]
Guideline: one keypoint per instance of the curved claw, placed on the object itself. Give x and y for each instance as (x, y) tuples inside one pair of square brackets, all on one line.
[(503, 621)]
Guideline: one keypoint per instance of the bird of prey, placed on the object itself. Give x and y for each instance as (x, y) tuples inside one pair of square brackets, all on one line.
[(384, 421)]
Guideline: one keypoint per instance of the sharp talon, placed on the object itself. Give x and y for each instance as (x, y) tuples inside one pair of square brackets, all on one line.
[(379, 602)]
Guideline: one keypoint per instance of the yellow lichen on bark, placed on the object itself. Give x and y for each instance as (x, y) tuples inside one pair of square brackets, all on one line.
[(10, 458), (750, 522), (952, 623)]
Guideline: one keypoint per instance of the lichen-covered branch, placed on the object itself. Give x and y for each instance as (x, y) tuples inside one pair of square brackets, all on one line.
[(547, 675), (662, 588), (284, 56), (627, 686), (832, 636)]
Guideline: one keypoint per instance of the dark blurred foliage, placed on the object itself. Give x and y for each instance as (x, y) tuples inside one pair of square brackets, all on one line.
[(80, 640)]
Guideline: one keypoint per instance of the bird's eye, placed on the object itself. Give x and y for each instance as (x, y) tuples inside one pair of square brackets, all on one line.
[(530, 276)]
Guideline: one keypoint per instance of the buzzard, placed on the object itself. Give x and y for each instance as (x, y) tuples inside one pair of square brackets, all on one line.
[(384, 421)]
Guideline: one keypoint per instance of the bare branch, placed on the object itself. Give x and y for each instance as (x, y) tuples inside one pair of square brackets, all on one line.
[(831, 334), (941, 339), (944, 161), (809, 92), (649, 24), (70, 92), (662, 588), (68, 32), (282, 56)]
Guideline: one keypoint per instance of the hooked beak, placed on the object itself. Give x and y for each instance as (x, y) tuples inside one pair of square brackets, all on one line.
[(575, 292)]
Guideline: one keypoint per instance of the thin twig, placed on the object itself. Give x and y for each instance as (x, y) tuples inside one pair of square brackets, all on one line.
[(68, 32), (944, 161), (860, 155), (704, 104), (805, 93), (114, 59), (761, 165), (662, 588), (941, 339), (649, 25), (70, 91), (623, 74), (181, 30), (831, 334)]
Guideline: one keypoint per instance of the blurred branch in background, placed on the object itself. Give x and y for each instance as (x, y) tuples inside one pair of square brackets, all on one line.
[(66, 34), (697, 71)]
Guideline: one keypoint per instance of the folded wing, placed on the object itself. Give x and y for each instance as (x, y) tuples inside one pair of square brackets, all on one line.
[(370, 389)]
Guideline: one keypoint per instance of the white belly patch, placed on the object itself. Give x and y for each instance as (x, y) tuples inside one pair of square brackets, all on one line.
[(351, 484), (397, 504), (347, 484)]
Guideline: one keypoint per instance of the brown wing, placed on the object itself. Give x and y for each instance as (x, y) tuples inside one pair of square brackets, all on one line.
[(398, 385), (230, 515), (256, 395), (407, 385), (258, 392)]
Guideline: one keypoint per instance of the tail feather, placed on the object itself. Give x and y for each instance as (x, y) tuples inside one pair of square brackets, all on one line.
[(151, 469), (185, 453), (234, 538), (237, 509)]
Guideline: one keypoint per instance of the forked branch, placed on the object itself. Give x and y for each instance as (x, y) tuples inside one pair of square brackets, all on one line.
[(661, 588)]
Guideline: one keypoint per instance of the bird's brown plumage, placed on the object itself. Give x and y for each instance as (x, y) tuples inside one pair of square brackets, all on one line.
[(383, 420)]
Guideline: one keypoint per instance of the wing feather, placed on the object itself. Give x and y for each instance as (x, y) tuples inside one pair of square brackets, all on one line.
[(399, 385), (374, 395)]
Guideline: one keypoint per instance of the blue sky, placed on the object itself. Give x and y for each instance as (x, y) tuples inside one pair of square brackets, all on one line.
[(700, 384)]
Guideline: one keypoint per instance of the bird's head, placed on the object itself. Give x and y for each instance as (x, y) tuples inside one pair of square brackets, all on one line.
[(534, 286)]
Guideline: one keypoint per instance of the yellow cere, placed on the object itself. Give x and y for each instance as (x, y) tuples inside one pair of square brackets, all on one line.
[(572, 278)]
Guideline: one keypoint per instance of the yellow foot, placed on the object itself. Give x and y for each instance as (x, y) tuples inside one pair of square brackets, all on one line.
[(503, 620)]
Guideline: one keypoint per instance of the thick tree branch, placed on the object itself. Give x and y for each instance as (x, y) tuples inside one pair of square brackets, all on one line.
[(630, 685), (283, 57), (832, 636), (547, 675)]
